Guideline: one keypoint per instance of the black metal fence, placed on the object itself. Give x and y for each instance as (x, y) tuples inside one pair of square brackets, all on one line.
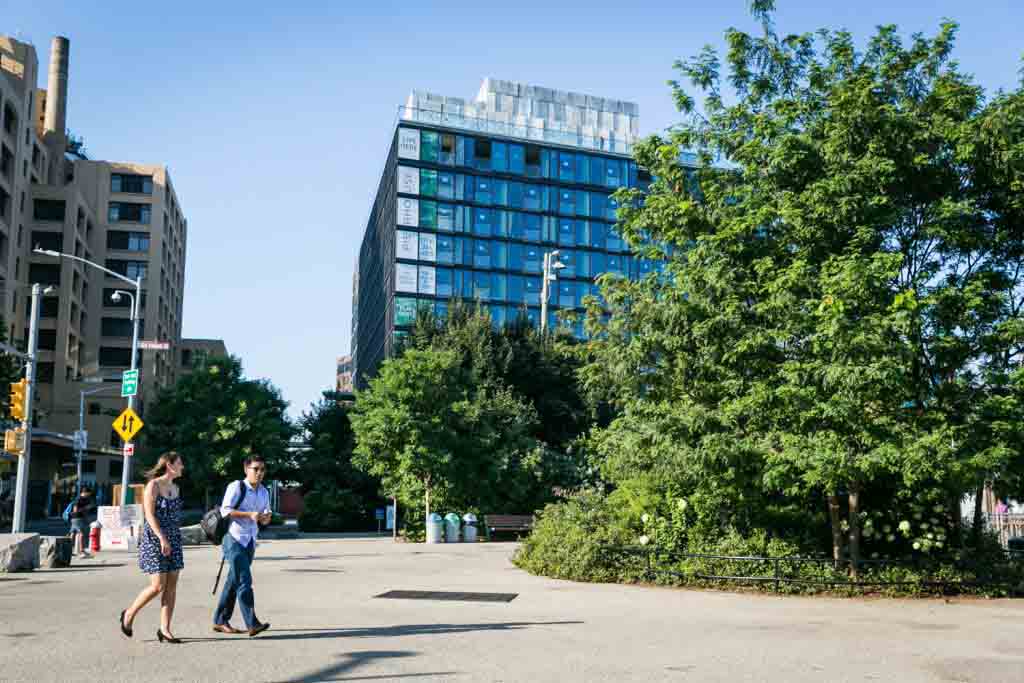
[(949, 574)]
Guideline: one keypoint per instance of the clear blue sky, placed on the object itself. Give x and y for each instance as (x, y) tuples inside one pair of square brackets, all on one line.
[(274, 119)]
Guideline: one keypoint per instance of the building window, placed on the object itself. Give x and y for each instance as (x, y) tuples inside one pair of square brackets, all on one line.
[(53, 241), (48, 209), (134, 184), (44, 273), (119, 327), (116, 466), (49, 306), (130, 269), (126, 212), (89, 466), (10, 118), (115, 357), (186, 358), (5, 204), (95, 408), (128, 241), (47, 340), (6, 161), (44, 372)]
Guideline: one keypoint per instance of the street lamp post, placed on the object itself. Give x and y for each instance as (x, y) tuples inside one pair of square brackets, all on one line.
[(79, 445), (136, 299), (21, 487), (551, 267)]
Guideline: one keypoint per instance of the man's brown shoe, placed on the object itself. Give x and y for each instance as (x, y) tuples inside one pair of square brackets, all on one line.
[(227, 628), (258, 629)]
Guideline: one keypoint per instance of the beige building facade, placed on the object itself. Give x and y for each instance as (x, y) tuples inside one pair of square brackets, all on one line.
[(123, 216)]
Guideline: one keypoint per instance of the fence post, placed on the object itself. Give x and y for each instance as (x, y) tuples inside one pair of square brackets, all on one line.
[(778, 578)]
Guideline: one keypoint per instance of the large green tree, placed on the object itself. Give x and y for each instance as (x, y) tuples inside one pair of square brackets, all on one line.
[(215, 417), (437, 438), (343, 496), (840, 311)]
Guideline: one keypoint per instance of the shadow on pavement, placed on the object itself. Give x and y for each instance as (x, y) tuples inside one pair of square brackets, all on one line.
[(383, 631), (83, 568), (354, 660)]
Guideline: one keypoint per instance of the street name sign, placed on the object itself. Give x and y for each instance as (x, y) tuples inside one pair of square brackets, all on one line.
[(127, 424), (129, 383), (155, 345)]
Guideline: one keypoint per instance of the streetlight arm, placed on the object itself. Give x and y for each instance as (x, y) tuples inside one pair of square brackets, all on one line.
[(60, 254)]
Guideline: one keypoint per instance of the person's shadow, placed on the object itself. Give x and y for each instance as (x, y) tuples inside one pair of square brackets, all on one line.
[(382, 631)]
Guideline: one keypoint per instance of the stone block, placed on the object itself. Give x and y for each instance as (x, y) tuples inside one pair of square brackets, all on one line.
[(192, 535), (19, 552), (55, 551)]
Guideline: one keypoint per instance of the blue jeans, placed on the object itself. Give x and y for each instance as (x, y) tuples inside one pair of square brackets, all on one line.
[(238, 585)]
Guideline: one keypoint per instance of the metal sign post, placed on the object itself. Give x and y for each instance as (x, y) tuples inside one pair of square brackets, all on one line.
[(21, 490)]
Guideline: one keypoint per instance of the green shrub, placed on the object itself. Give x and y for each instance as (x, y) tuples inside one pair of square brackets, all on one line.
[(577, 540)]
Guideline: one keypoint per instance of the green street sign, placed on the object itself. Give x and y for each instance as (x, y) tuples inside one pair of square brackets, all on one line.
[(129, 383)]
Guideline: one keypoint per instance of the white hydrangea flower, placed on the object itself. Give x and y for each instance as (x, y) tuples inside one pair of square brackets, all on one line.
[(644, 540), (904, 526), (645, 518), (682, 503), (917, 545)]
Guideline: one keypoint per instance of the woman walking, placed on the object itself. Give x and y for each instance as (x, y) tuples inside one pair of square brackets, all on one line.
[(160, 553)]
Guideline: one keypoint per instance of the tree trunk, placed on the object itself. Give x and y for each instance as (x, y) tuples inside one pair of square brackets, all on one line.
[(837, 529), (426, 500), (958, 522), (977, 522), (854, 498)]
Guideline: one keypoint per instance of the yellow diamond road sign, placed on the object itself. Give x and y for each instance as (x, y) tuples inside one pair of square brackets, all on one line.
[(127, 424)]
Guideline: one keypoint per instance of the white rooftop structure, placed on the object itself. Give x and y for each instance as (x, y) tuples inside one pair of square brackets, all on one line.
[(535, 113)]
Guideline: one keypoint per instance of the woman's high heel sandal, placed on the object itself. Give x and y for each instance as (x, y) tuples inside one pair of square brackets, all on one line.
[(166, 639)]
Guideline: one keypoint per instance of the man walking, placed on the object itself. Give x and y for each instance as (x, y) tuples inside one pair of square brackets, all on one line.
[(247, 503)]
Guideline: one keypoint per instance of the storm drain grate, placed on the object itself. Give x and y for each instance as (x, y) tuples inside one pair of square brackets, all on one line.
[(447, 595)]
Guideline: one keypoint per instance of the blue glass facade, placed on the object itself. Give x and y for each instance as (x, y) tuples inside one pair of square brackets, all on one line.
[(470, 216)]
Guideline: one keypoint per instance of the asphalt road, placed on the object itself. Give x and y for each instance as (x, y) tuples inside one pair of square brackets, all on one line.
[(60, 625)]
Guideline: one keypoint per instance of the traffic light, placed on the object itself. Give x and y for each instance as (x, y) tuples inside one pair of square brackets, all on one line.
[(18, 390)]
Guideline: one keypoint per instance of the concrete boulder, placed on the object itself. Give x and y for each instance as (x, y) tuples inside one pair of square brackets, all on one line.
[(55, 551), (192, 535), (19, 552)]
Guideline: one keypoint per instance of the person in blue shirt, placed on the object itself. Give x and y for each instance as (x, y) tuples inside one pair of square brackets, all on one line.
[(247, 503)]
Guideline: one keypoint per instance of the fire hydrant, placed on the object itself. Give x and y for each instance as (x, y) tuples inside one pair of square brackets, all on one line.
[(94, 537)]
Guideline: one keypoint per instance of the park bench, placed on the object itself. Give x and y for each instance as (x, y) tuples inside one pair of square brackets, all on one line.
[(514, 523)]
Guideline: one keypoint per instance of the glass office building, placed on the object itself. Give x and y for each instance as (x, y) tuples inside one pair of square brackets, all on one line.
[(470, 201)]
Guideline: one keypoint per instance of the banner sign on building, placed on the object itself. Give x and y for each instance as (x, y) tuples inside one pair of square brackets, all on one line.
[(405, 311), (405, 245), (428, 280), (405, 278), (408, 143), (408, 180), (428, 247), (408, 212)]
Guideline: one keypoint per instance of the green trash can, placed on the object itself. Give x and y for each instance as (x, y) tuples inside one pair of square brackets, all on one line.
[(435, 528), (452, 525)]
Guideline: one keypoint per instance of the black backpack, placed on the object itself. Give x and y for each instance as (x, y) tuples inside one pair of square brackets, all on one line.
[(214, 524)]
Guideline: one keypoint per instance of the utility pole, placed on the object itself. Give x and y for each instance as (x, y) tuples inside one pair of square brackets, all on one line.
[(21, 490)]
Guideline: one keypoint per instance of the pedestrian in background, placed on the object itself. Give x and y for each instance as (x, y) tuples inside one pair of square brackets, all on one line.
[(81, 512), (160, 554), (247, 503)]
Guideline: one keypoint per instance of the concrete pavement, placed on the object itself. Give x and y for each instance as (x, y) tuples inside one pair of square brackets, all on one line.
[(60, 625)]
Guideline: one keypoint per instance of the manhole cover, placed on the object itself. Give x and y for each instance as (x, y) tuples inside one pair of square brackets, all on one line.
[(446, 595)]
